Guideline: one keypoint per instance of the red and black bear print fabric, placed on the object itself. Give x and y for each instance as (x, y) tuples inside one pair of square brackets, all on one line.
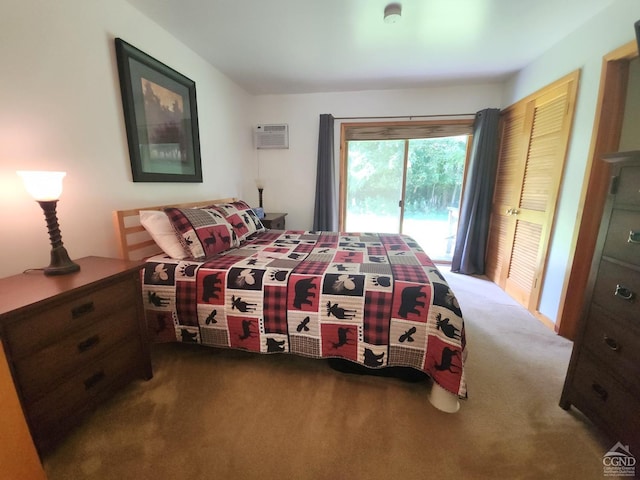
[(375, 299)]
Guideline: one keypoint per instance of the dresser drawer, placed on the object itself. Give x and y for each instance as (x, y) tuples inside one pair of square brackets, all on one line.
[(628, 192), (63, 406), (52, 322), (613, 284), (605, 401), (623, 237), (40, 371), (615, 342), (277, 224)]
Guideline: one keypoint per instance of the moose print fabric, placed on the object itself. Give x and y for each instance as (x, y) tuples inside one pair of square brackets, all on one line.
[(242, 218), (373, 298), (202, 232)]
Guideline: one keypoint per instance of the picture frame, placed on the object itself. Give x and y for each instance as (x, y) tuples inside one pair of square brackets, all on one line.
[(161, 118)]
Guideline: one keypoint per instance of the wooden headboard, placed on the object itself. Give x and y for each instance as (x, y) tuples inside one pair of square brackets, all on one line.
[(134, 241)]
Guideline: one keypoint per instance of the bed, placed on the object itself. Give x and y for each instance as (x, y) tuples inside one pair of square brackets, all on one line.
[(215, 276)]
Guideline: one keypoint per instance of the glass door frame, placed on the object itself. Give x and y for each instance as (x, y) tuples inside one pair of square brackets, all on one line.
[(384, 127)]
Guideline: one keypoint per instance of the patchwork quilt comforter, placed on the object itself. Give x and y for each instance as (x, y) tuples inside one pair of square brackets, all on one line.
[(373, 298)]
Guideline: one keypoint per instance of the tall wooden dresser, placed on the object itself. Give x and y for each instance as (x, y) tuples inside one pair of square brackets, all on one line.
[(603, 379)]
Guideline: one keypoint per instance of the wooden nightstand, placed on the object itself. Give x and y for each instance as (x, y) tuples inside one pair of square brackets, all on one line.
[(274, 221), (73, 340)]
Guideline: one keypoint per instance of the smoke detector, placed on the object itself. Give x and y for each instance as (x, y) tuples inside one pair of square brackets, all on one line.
[(392, 13)]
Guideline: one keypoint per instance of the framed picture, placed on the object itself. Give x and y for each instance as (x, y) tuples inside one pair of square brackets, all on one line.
[(161, 118)]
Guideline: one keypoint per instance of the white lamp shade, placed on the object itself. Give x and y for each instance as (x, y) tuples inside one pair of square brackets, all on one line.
[(43, 186)]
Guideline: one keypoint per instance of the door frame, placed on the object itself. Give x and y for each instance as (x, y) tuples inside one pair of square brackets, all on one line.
[(614, 78), (343, 170)]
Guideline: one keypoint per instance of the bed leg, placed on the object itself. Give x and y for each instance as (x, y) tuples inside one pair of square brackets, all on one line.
[(444, 401)]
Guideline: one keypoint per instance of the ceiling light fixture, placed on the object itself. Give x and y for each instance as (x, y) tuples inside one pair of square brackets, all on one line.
[(392, 13)]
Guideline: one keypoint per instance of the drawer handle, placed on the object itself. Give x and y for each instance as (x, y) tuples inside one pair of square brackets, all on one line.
[(624, 293), (634, 237), (599, 389), (611, 343), (94, 379), (81, 310), (89, 343)]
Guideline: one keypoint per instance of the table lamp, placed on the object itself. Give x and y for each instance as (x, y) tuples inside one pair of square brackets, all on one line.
[(260, 186), (45, 188)]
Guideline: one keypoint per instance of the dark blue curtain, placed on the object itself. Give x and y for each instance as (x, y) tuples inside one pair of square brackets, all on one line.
[(475, 210), (325, 215)]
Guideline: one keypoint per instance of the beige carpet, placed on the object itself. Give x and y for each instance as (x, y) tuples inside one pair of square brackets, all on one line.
[(223, 414)]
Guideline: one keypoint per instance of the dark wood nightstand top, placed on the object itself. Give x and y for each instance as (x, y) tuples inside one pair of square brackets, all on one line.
[(34, 286), (270, 217)]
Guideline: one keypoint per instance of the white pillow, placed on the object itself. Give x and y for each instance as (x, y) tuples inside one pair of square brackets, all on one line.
[(159, 227)]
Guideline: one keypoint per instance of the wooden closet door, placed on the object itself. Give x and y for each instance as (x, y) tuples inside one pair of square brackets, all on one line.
[(510, 171), (535, 135)]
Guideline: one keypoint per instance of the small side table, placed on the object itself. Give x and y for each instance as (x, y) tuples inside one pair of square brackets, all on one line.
[(274, 221)]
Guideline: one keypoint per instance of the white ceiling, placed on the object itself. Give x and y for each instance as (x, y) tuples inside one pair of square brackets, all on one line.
[(305, 46)]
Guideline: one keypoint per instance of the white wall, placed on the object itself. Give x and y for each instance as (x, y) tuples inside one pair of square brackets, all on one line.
[(289, 175), (61, 110), (582, 49)]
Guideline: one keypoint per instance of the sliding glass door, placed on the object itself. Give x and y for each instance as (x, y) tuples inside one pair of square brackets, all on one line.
[(432, 196), (410, 186), (376, 171)]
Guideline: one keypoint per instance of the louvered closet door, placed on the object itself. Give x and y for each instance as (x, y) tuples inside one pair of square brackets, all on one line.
[(513, 142), (533, 150)]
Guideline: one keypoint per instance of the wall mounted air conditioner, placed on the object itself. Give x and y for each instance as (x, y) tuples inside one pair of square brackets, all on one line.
[(271, 136)]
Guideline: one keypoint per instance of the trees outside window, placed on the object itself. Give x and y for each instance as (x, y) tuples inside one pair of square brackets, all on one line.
[(410, 186)]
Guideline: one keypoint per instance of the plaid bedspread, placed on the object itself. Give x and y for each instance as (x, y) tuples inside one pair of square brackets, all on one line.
[(372, 298)]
